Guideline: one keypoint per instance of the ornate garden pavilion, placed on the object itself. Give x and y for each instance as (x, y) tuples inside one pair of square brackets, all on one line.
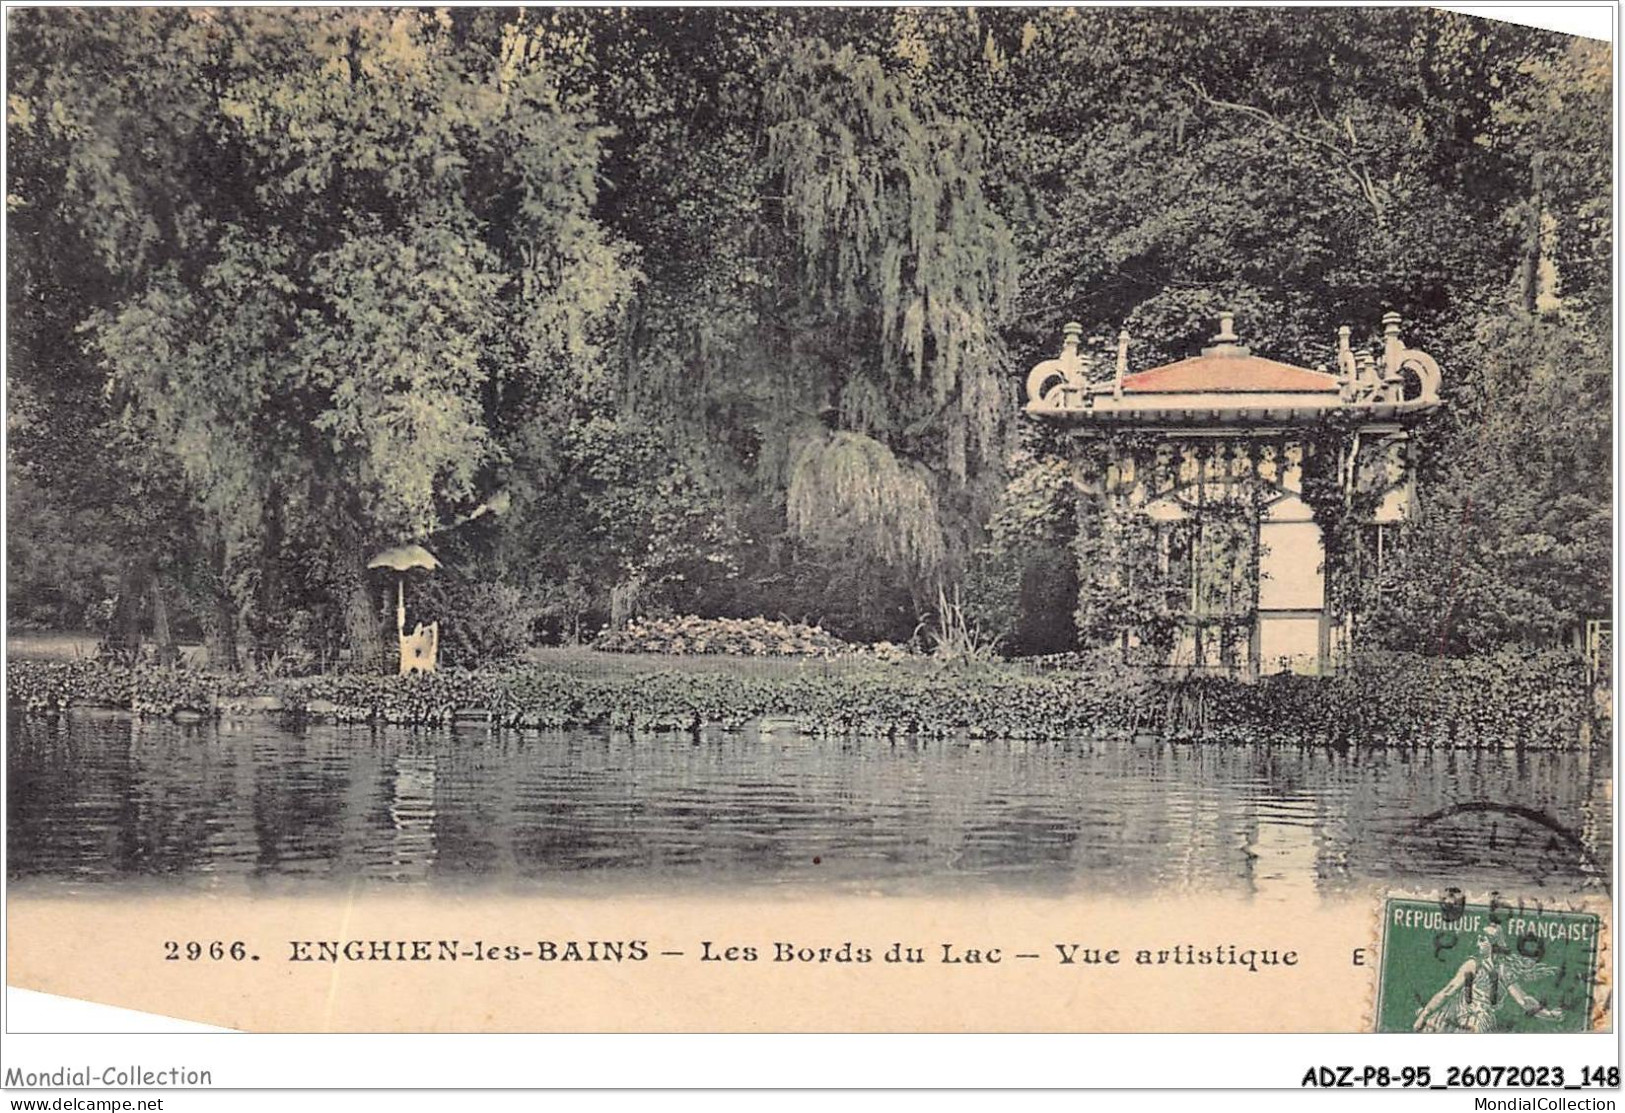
[(1232, 508)]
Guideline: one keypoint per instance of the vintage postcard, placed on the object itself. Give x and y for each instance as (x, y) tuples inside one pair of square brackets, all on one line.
[(811, 520)]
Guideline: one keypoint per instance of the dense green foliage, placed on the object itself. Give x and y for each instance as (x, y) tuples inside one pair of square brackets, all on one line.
[(729, 306), (1535, 700)]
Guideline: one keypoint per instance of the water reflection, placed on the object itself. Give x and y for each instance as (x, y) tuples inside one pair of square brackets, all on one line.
[(94, 799)]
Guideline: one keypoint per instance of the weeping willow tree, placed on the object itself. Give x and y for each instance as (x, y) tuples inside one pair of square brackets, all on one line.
[(853, 488), (901, 272)]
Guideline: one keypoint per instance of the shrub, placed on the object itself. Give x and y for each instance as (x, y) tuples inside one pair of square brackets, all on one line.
[(1538, 700), (481, 622), (741, 637), (954, 637)]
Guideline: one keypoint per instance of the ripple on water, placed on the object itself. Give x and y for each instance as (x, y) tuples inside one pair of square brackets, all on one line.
[(110, 800)]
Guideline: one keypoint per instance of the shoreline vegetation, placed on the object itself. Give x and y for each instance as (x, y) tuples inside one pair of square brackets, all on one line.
[(1533, 699)]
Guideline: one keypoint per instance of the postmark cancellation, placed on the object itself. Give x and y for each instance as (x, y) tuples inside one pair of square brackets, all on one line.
[(1497, 963)]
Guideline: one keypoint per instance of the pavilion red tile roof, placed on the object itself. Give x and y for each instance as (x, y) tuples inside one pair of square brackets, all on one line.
[(1230, 372)]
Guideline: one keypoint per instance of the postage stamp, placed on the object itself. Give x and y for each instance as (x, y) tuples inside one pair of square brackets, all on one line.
[(1448, 965)]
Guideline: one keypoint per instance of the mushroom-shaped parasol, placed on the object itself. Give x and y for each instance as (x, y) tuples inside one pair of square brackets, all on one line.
[(402, 559)]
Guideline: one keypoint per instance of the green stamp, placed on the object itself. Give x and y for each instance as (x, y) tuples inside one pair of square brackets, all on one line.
[(1450, 966)]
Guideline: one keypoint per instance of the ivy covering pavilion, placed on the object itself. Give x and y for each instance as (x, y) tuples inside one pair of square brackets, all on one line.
[(1234, 511)]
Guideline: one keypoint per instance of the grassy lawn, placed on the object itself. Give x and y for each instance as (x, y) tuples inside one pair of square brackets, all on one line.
[(583, 661), (53, 646), (70, 645), (577, 660)]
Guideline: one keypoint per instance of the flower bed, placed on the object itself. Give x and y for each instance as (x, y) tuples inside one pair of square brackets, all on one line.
[(740, 637)]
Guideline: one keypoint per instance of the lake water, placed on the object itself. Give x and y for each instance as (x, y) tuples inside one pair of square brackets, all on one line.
[(98, 800)]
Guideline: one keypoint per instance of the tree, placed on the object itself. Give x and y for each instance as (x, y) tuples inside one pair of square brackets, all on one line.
[(361, 254), (96, 514), (1515, 540), (733, 302)]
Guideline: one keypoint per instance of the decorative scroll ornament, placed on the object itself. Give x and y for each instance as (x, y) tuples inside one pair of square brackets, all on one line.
[(1063, 381), (1401, 359)]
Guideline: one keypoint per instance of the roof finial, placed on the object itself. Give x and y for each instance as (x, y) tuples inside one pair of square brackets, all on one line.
[(1348, 370), (1071, 334), (1392, 346), (1225, 345), (1347, 366)]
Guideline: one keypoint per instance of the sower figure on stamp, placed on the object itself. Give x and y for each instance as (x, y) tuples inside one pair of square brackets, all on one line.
[(1468, 1002)]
